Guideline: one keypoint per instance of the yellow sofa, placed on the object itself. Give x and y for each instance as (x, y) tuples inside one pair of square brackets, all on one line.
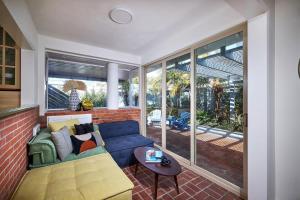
[(90, 178)]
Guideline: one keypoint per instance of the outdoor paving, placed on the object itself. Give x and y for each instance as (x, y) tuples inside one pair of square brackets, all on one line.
[(219, 154), (191, 186)]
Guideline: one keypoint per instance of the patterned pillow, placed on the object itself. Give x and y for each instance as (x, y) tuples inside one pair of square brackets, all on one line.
[(83, 142)]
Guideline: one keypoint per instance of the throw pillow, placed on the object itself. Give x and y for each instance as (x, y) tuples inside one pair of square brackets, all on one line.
[(83, 142), (98, 138), (96, 127), (62, 142), (55, 126), (84, 128), (79, 129)]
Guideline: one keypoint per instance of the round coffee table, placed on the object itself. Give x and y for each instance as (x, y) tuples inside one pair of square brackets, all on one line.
[(171, 170)]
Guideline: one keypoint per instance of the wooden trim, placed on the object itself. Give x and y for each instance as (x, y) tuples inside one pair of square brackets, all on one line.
[(3, 59), (18, 68), (17, 65), (164, 105), (245, 109)]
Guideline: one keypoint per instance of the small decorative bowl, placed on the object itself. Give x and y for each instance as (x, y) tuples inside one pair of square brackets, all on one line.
[(165, 161)]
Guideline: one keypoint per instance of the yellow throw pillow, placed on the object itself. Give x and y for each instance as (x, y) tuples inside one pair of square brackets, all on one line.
[(55, 126)]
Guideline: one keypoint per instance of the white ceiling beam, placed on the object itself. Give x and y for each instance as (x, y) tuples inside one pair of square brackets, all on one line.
[(249, 8)]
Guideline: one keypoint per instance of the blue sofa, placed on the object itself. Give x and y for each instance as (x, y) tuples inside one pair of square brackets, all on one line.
[(121, 138)]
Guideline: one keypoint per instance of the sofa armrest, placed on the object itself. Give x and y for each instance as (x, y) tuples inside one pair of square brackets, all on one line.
[(42, 151)]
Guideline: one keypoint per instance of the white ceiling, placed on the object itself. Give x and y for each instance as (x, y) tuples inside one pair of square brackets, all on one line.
[(87, 21)]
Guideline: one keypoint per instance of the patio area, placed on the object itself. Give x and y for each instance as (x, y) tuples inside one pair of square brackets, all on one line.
[(217, 151)]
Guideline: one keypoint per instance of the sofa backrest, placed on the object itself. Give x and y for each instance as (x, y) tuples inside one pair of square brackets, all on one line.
[(116, 129)]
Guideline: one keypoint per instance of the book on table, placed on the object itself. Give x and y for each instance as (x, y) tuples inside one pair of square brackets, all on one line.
[(153, 156)]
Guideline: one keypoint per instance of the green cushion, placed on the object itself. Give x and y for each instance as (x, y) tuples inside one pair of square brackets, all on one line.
[(42, 151), (91, 152)]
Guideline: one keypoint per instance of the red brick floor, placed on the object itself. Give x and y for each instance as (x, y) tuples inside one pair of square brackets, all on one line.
[(191, 186)]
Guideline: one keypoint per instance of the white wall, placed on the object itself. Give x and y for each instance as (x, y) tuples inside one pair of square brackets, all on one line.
[(287, 98), (257, 107), (20, 13), (45, 42), (201, 29), (28, 84)]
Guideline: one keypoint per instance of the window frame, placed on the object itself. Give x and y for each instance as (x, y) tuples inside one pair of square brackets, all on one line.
[(191, 49)]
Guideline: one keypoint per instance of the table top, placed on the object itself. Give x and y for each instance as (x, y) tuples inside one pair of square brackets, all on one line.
[(171, 170)]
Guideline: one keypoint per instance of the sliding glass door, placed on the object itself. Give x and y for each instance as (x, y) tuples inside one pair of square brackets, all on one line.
[(178, 105), (153, 80), (219, 88), (196, 105)]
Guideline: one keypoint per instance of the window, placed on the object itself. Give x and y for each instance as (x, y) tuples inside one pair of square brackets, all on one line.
[(128, 87), (219, 107), (93, 73), (60, 71), (196, 103), (9, 62), (153, 89)]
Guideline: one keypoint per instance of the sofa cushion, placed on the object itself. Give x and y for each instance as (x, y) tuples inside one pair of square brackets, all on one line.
[(116, 129), (126, 142), (55, 126), (83, 142), (84, 128), (62, 142), (95, 177)]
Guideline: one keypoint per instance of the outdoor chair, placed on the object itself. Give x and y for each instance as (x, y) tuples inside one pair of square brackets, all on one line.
[(180, 123), (154, 117)]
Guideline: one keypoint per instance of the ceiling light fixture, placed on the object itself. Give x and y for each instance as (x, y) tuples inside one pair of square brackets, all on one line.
[(120, 16)]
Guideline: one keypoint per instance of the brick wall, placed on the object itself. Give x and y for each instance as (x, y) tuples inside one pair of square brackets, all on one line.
[(15, 132), (100, 115)]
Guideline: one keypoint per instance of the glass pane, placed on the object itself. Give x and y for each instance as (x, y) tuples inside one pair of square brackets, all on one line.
[(94, 77), (10, 76), (153, 102), (1, 55), (1, 35), (178, 105), (219, 108), (9, 41), (1, 74), (10, 56), (128, 88), (58, 98)]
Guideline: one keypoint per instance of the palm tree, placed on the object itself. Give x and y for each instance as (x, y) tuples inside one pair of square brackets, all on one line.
[(177, 82)]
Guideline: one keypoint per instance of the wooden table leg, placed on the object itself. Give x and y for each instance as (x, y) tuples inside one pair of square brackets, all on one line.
[(136, 168), (176, 182), (155, 186)]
